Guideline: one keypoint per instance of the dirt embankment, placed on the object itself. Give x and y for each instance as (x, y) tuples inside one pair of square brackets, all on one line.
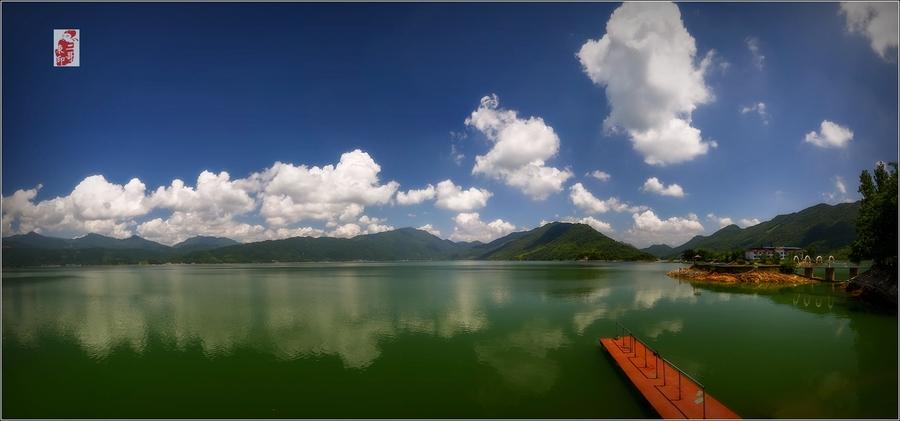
[(877, 286), (750, 277)]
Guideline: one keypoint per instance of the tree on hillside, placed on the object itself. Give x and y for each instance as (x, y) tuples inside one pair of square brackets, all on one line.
[(876, 225)]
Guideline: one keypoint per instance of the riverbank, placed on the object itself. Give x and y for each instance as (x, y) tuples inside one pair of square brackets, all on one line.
[(748, 277), (877, 286)]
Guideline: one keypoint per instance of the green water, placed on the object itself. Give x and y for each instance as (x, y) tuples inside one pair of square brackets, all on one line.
[(462, 339)]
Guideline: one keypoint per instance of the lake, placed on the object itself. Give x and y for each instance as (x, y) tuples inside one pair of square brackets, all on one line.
[(441, 339)]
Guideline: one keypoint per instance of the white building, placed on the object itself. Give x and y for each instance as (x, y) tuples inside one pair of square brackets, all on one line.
[(766, 252)]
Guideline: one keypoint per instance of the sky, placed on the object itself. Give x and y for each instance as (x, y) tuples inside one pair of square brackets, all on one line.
[(651, 122)]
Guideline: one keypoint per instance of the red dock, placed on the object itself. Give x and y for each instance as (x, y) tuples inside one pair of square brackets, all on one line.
[(671, 392)]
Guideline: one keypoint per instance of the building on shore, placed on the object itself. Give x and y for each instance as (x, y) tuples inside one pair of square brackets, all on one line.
[(766, 252)]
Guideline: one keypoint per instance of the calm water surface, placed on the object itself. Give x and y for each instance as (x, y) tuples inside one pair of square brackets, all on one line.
[(462, 339)]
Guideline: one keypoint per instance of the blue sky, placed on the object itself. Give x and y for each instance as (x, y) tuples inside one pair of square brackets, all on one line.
[(167, 91)]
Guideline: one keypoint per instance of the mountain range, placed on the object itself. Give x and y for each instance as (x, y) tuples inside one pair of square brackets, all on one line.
[(554, 241), (826, 228)]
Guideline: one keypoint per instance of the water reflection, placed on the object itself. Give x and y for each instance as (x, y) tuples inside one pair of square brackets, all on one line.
[(529, 326), (520, 357), (293, 313)]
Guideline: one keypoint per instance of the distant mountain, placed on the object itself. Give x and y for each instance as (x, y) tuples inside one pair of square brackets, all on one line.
[(35, 240), (33, 249), (100, 241), (564, 241), (659, 250), (201, 242), (826, 228), (829, 229), (400, 244)]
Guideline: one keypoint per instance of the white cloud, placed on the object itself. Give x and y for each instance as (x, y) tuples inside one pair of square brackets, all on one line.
[(646, 61), (470, 227), (875, 21), (330, 193), (182, 225), (94, 205), (430, 229), (839, 184), (650, 229), (520, 151), (336, 194), (839, 195), (830, 135), (653, 185), (600, 226), (588, 203), (748, 222), (413, 197), (600, 175), (365, 225), (452, 197), (759, 109), (722, 221), (759, 59), (215, 195)]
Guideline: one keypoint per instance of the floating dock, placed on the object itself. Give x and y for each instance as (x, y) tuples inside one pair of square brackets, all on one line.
[(669, 390)]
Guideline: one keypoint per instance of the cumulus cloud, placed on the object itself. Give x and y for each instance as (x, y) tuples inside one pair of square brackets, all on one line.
[(875, 21), (414, 197), (724, 221), (182, 225), (430, 229), (646, 61), (721, 221), (585, 201), (281, 195), (600, 226), (748, 222), (452, 197), (600, 175), (470, 227), (520, 150), (759, 109), (839, 194), (653, 185), (95, 205), (759, 60), (839, 184), (830, 135), (331, 193), (650, 229)]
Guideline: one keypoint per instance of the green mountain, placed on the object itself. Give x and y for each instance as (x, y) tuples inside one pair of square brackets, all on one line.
[(400, 244), (35, 240), (201, 242), (828, 229), (33, 249), (564, 241), (659, 250)]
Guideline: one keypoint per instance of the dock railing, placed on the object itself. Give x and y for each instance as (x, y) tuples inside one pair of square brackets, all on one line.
[(628, 345)]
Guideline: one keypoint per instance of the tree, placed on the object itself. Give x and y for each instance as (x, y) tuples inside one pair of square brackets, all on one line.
[(876, 225)]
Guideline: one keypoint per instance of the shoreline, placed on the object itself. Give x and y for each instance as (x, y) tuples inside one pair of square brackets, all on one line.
[(751, 277)]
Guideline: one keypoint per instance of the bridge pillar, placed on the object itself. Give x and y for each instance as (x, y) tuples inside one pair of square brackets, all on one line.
[(807, 272), (829, 274), (854, 271)]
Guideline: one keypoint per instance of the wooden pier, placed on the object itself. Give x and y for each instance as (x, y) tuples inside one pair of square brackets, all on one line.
[(669, 390)]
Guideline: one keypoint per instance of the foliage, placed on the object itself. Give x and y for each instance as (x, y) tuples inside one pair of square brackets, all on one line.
[(876, 225), (787, 266), (555, 241), (823, 227), (565, 241)]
